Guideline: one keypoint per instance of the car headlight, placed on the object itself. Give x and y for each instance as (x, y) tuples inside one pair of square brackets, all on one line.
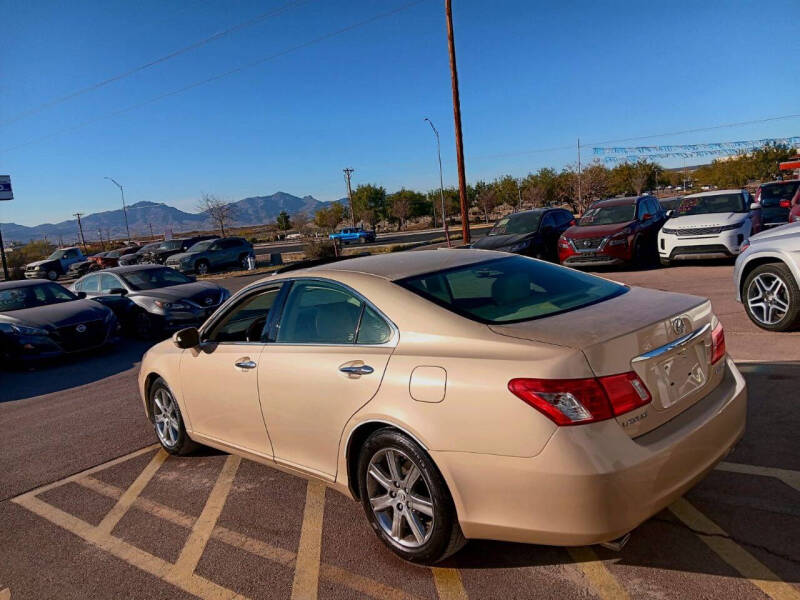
[(669, 231), (14, 329), (734, 226), (171, 305), (620, 238), (519, 246)]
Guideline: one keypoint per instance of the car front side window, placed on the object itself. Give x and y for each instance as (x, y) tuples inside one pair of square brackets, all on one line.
[(247, 320)]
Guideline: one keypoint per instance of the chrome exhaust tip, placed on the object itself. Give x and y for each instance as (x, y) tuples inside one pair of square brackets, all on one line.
[(618, 544)]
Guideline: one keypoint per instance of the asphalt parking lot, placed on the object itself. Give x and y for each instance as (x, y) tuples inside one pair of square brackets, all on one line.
[(90, 508)]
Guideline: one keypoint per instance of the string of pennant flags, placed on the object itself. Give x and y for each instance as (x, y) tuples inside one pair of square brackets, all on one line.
[(634, 153)]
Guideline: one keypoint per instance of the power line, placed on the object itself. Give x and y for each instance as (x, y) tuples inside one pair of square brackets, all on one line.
[(213, 78), (152, 63)]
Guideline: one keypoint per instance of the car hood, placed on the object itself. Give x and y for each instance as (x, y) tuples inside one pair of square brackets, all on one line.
[(180, 256), (709, 220), (78, 265), (42, 263), (782, 231), (492, 242), (196, 291), (53, 316), (594, 231)]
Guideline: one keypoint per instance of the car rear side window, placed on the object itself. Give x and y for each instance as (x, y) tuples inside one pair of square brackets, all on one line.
[(513, 289)]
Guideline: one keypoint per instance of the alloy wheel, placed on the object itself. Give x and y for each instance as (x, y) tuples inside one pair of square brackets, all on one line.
[(202, 268), (400, 498), (768, 298), (165, 414)]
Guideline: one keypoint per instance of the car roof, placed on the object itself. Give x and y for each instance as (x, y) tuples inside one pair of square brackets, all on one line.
[(618, 201), (129, 268), (715, 193), (782, 182), (7, 285), (397, 265)]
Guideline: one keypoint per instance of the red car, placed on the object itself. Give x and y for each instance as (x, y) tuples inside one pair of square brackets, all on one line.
[(614, 232), (111, 259)]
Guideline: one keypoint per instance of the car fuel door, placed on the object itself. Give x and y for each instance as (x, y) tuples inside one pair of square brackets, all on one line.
[(330, 352)]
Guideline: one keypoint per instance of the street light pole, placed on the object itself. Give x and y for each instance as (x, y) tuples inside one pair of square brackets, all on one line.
[(441, 181), (124, 209)]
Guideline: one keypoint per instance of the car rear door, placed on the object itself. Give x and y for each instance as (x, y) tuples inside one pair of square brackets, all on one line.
[(330, 352)]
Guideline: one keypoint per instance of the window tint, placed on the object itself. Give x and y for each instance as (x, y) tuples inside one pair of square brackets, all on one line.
[(373, 329), (108, 283), (549, 220), (319, 313), (563, 218), (772, 194), (716, 203), (90, 284), (508, 290), (245, 322)]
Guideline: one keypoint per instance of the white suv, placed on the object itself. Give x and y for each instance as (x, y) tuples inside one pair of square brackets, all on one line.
[(708, 225), (767, 278)]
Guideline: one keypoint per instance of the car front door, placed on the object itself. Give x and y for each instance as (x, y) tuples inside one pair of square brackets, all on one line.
[(330, 351), (219, 378)]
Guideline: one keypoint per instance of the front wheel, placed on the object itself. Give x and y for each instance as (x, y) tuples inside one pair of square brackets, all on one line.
[(772, 298), (201, 268), (52, 275), (168, 421), (406, 499)]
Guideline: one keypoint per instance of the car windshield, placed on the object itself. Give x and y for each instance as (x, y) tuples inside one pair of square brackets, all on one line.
[(608, 215), (170, 245), (113, 254), (772, 194), (515, 224), (31, 296), (150, 279), (148, 248), (56, 255), (509, 290), (200, 246), (717, 203)]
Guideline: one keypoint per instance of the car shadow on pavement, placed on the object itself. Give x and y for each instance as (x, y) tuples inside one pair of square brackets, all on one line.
[(55, 375)]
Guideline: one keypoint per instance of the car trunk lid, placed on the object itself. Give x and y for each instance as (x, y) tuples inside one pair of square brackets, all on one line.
[(665, 338)]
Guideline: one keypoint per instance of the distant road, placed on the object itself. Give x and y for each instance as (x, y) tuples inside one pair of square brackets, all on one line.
[(478, 231)]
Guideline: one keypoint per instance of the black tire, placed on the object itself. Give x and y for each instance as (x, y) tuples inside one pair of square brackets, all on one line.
[(362, 240), (780, 271), (445, 538), (52, 275), (243, 261), (183, 444), (665, 262), (201, 267)]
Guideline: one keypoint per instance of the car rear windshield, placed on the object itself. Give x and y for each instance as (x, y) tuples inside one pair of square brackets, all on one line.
[(171, 245), (200, 246), (150, 279), (513, 289), (717, 203), (608, 215), (772, 194), (515, 224), (31, 296)]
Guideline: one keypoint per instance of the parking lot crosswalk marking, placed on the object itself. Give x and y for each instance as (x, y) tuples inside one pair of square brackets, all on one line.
[(309, 550), (789, 477), (129, 496), (204, 525), (604, 584), (732, 553), (448, 584)]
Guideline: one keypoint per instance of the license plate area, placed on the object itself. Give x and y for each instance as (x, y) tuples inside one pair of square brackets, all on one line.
[(681, 374)]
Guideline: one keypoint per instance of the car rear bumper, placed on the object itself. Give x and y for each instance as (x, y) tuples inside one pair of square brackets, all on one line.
[(593, 483)]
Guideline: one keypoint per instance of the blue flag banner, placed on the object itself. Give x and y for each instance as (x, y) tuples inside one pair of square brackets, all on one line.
[(619, 154)]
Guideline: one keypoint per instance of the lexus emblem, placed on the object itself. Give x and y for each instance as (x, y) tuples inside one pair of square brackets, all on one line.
[(81, 328), (209, 300), (679, 326)]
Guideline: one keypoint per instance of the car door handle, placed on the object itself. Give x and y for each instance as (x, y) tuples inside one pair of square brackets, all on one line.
[(245, 363), (356, 369)]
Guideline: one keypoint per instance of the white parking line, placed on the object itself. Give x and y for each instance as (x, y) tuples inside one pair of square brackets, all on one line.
[(790, 478)]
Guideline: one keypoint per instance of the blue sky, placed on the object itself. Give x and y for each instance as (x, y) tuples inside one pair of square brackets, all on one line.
[(533, 75)]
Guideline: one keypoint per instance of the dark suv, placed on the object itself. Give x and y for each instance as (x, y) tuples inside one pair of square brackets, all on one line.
[(776, 200), (212, 254), (531, 232), (171, 247)]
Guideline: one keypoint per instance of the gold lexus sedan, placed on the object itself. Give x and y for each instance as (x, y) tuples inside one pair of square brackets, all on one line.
[(460, 394)]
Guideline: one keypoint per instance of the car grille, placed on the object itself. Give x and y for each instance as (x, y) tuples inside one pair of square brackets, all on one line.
[(206, 299), (71, 340), (700, 249), (695, 231), (587, 243)]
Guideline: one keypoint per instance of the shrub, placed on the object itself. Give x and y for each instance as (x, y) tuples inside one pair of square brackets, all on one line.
[(319, 249)]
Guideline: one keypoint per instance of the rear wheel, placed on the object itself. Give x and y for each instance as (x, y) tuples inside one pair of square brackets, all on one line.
[(168, 421), (202, 267), (243, 261), (406, 499), (52, 275), (772, 298)]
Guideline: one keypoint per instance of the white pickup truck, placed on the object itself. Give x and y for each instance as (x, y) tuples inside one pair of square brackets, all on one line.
[(54, 265)]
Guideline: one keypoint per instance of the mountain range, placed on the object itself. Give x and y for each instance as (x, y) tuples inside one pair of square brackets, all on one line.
[(256, 210)]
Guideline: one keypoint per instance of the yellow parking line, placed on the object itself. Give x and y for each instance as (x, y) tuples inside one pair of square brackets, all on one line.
[(204, 525), (600, 578), (789, 477), (129, 496), (732, 553), (306, 570), (448, 584), (337, 575)]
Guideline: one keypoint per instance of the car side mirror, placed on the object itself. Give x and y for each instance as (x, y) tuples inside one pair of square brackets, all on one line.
[(118, 291), (81, 295), (755, 206), (186, 338), (670, 214)]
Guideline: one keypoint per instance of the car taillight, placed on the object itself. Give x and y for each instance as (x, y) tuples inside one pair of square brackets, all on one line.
[(717, 344), (785, 204), (745, 245), (580, 401)]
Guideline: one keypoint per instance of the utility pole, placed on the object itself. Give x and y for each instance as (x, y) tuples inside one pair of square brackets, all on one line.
[(152, 235), (580, 203), (462, 178), (441, 182), (347, 173), (3, 256), (80, 228), (124, 209), (100, 235)]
